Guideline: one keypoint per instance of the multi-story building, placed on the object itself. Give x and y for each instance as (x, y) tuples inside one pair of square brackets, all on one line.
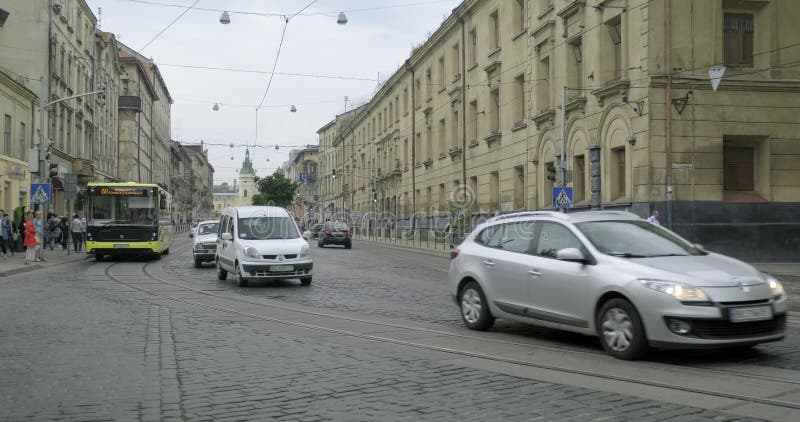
[(179, 182), (509, 99), (52, 44), (202, 181), (144, 117), (303, 171), (104, 158), (18, 105)]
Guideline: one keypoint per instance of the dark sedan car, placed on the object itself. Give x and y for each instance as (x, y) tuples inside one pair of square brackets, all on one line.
[(335, 233), (315, 229)]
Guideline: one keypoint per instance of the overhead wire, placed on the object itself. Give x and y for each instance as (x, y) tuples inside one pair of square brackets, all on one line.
[(177, 18)]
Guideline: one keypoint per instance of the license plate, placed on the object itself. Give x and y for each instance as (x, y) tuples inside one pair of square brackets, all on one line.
[(121, 246), (754, 313), (281, 268)]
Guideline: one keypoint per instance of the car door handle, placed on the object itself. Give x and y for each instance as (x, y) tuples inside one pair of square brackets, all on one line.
[(488, 263), (534, 273)]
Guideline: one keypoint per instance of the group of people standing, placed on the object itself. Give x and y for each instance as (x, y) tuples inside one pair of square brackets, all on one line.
[(37, 234)]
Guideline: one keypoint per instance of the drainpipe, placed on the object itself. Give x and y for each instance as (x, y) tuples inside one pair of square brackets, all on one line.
[(464, 110), (413, 149), (667, 106)]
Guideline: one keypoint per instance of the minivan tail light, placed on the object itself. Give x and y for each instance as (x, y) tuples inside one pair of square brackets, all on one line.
[(454, 253), (326, 231), (346, 232)]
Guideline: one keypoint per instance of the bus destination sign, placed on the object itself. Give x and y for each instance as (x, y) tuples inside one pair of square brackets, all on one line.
[(122, 191)]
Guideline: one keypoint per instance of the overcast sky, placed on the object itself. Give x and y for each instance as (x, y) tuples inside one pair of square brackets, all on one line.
[(375, 41)]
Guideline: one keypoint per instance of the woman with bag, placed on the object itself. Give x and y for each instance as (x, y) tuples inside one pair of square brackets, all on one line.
[(31, 241)]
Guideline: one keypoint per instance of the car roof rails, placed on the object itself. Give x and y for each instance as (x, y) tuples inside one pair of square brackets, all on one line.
[(530, 214)]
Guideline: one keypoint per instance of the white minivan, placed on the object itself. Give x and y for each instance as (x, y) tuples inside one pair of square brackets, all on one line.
[(258, 242)]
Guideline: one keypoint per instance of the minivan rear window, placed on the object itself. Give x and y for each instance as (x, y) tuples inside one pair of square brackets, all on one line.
[(260, 228)]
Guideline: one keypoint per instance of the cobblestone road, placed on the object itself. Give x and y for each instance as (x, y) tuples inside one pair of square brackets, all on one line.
[(76, 346), (405, 285)]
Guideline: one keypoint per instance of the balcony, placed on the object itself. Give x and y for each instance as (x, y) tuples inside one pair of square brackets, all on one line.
[(130, 102)]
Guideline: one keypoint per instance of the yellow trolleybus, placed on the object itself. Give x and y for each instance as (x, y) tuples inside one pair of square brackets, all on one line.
[(127, 219)]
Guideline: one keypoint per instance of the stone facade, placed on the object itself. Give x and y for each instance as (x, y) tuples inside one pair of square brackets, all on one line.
[(478, 119), (17, 110), (303, 170), (201, 183)]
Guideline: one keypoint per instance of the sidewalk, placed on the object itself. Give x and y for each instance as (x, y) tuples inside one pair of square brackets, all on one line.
[(16, 264)]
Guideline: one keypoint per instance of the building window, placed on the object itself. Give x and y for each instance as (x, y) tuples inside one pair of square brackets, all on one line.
[(618, 173), (405, 100), (21, 154), (739, 171), (548, 179), (519, 187), (519, 100), (456, 62), (473, 190), (442, 141), (7, 136), (454, 130), (442, 198), (417, 92), (575, 66), (397, 108), (428, 84), (429, 147), (494, 27), (494, 191), (442, 77), (405, 152), (579, 179), (543, 88), (472, 121), (545, 5), (418, 148), (494, 111), (519, 15), (615, 36), (472, 47), (738, 39), (428, 201)]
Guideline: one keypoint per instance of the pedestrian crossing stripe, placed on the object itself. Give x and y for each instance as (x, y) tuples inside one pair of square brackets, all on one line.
[(562, 200), (40, 196)]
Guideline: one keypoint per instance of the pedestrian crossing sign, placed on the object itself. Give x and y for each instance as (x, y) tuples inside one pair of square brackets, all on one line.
[(40, 193), (562, 197)]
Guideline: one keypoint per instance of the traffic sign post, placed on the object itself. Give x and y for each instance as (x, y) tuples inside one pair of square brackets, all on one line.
[(41, 193), (562, 197)]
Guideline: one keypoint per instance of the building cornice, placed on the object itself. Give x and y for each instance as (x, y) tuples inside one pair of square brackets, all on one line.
[(7, 80), (730, 83)]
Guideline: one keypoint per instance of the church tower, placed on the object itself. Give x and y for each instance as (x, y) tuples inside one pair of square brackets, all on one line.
[(247, 185)]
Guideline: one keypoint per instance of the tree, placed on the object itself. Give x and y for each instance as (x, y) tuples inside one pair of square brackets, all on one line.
[(275, 190)]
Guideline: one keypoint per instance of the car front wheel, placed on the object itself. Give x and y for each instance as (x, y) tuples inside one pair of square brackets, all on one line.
[(620, 330), (222, 275), (240, 280), (474, 308)]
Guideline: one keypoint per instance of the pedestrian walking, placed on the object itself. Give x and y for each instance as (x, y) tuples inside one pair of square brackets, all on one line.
[(53, 231), (654, 218), (31, 240), (6, 234), (38, 224), (76, 229), (64, 226)]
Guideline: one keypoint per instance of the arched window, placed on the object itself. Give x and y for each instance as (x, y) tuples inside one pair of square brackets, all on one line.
[(245, 193)]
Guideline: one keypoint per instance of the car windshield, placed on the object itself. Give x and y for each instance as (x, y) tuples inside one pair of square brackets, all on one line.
[(267, 228), (208, 228), (635, 239)]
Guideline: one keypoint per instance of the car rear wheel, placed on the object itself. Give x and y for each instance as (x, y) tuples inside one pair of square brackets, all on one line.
[(240, 280), (620, 330), (222, 275), (305, 281), (474, 307), (198, 263), (321, 244), (348, 245)]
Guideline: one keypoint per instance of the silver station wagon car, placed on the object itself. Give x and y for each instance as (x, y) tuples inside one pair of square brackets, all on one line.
[(611, 274)]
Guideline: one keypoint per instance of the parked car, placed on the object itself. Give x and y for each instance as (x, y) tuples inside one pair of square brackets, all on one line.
[(204, 242), (611, 274), (335, 233), (315, 229), (258, 242)]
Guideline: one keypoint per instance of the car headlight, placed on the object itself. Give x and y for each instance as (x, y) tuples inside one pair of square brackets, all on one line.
[(305, 250), (682, 292), (776, 286), (251, 252)]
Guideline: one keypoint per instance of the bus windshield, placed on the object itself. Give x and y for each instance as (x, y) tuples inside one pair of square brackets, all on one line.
[(123, 205)]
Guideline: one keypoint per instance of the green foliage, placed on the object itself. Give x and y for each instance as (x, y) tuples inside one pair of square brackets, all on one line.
[(275, 190)]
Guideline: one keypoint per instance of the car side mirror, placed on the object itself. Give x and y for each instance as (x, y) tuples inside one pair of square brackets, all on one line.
[(191, 235), (699, 246), (570, 254), (227, 236)]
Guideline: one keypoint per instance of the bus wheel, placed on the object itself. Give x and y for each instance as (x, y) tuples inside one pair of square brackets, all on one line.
[(98, 257), (157, 256)]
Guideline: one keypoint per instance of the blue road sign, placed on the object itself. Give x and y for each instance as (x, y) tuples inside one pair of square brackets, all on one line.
[(562, 197), (40, 193)]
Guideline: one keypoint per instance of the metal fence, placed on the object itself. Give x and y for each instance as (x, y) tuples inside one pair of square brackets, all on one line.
[(427, 239)]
